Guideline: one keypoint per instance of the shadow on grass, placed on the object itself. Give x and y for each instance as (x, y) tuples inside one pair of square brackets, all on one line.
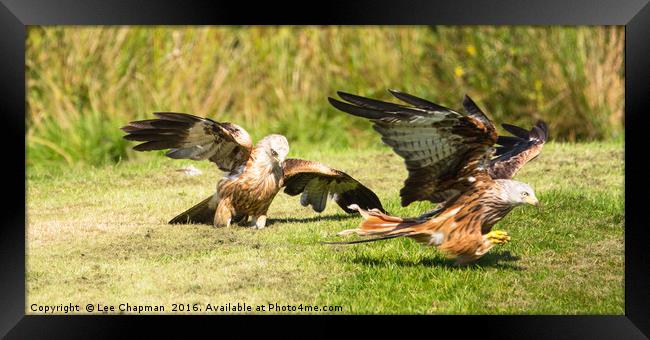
[(271, 221), (491, 260), (337, 217)]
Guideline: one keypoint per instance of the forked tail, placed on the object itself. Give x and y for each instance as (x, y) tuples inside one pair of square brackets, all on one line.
[(376, 223)]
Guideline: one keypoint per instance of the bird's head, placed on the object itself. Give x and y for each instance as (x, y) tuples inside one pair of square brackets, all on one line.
[(519, 193), (275, 147)]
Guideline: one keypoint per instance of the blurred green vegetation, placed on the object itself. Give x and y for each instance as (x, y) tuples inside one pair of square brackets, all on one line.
[(85, 82)]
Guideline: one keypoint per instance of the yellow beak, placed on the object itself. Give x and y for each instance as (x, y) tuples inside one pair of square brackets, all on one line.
[(532, 201)]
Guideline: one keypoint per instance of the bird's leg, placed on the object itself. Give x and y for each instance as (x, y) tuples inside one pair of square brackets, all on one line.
[(259, 221), (498, 237), (222, 220), (488, 241), (223, 215)]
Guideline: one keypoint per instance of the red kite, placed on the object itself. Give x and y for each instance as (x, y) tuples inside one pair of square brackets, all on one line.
[(253, 174), (451, 159)]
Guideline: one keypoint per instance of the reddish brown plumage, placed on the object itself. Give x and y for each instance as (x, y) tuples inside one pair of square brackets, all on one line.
[(448, 156), (250, 193), (254, 175), (458, 230)]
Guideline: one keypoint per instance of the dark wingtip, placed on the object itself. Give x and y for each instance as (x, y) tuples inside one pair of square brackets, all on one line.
[(178, 117), (353, 98), (344, 94), (544, 128), (539, 131), (516, 131), (176, 220), (353, 109), (142, 147), (398, 94), (417, 101), (468, 102), (364, 198), (333, 101), (342, 106), (470, 106)]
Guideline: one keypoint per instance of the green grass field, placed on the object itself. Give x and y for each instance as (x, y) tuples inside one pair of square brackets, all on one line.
[(99, 235)]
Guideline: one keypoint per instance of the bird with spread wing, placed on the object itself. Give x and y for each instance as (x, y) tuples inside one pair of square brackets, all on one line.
[(451, 159), (253, 174)]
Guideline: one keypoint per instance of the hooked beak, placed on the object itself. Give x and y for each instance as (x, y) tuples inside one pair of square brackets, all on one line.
[(532, 201)]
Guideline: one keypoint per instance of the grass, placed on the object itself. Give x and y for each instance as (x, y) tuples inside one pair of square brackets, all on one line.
[(82, 82), (99, 235)]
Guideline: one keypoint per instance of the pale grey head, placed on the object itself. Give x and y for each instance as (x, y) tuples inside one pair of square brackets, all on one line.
[(517, 193), (275, 147)]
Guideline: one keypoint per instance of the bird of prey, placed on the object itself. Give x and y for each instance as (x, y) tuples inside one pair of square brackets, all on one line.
[(451, 159), (253, 174)]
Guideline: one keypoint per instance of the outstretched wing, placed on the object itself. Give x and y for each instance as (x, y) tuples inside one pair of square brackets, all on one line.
[(192, 137), (444, 150), (317, 181), (515, 151)]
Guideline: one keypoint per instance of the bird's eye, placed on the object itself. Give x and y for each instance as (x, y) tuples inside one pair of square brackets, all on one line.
[(274, 153), (524, 194)]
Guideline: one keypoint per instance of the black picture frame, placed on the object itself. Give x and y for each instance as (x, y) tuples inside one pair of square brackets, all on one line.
[(16, 15)]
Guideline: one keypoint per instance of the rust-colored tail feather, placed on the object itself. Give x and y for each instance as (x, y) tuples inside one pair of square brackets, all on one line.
[(377, 223)]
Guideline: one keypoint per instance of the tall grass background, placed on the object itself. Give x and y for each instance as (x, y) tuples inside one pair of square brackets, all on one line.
[(83, 83)]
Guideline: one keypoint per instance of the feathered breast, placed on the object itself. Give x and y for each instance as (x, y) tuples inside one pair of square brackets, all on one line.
[(254, 189)]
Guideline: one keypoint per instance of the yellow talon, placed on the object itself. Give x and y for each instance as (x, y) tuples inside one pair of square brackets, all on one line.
[(498, 237)]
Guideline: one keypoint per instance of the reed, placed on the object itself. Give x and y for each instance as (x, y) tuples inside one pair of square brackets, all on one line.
[(85, 82)]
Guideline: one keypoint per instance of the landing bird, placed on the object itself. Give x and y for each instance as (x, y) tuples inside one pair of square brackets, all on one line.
[(451, 159), (253, 174)]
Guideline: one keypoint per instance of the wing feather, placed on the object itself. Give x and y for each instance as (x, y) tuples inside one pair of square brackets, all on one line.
[(316, 182), (191, 137), (417, 102), (515, 151), (440, 147)]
